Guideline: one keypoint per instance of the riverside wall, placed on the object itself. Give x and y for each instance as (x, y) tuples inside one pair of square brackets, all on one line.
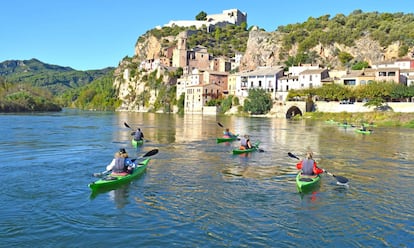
[(336, 107), (280, 110)]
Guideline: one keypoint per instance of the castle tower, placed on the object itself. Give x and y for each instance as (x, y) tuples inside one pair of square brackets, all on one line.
[(180, 52)]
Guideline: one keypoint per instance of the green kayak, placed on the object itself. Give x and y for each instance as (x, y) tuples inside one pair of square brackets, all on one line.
[(307, 183), (136, 143), (226, 139), (241, 151), (363, 131), (112, 181)]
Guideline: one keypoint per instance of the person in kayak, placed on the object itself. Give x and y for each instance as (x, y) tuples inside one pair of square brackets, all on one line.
[(245, 142), (363, 128), (121, 164), (309, 166), (228, 134), (139, 135)]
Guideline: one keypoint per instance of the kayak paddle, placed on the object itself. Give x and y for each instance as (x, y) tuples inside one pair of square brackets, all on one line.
[(220, 124), (126, 124), (293, 155), (340, 179), (148, 154)]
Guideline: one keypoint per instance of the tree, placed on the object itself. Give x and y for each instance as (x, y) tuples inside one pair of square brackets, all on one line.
[(400, 91), (217, 34), (226, 103), (179, 72), (258, 102), (360, 65), (180, 103), (243, 26), (333, 92), (345, 57), (202, 16)]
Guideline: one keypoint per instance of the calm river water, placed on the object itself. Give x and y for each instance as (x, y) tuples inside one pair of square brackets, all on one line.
[(195, 193)]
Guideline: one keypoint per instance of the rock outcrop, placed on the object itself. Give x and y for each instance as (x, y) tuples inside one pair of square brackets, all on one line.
[(263, 49)]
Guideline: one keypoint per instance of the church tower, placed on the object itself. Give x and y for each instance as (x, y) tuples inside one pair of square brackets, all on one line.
[(180, 52)]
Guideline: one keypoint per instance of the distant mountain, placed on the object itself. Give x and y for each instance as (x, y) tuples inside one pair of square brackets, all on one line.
[(57, 79)]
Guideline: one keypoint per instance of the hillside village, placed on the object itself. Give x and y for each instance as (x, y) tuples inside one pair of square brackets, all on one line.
[(206, 77)]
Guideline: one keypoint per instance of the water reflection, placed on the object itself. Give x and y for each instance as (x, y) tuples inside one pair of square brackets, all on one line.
[(120, 195), (196, 193)]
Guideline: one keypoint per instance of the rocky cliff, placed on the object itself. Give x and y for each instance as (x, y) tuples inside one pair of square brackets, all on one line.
[(263, 49)]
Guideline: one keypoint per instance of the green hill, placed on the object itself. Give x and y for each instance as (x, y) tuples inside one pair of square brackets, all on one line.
[(54, 78)]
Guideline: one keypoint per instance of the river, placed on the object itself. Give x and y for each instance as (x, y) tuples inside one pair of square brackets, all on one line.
[(195, 193)]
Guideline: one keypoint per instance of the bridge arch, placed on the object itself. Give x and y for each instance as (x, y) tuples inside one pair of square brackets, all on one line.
[(293, 111)]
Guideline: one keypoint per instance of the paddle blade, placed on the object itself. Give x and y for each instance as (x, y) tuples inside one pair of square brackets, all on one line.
[(220, 124), (151, 153), (126, 124), (293, 155), (341, 179)]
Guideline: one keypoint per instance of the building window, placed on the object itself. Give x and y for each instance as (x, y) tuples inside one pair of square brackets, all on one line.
[(349, 82), (243, 82), (310, 77), (391, 74), (251, 84), (260, 83)]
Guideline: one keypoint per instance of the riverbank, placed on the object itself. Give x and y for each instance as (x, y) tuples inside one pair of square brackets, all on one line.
[(386, 119)]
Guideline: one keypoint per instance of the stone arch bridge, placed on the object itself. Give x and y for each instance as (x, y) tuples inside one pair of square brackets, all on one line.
[(289, 109)]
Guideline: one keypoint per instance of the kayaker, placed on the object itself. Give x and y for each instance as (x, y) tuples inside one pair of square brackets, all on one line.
[(363, 128), (245, 142), (309, 166), (121, 164), (139, 135), (228, 134)]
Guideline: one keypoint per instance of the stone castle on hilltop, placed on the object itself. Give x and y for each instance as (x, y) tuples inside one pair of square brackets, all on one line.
[(231, 16)]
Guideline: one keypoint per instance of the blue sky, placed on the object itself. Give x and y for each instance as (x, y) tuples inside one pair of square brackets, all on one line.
[(94, 34)]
